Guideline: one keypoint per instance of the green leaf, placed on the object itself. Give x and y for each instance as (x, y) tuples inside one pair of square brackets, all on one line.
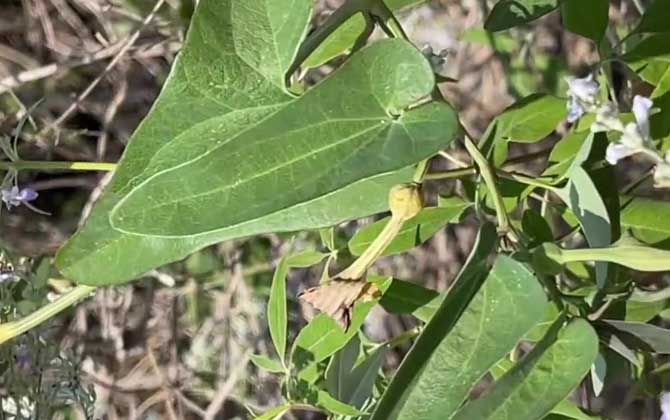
[(345, 36), (403, 297), (340, 366), (461, 342), (267, 364), (542, 379), (215, 127), (454, 305), (588, 18), (414, 232), (598, 374), (322, 337), (352, 382), (277, 315), (650, 59), (275, 413), (655, 19), (305, 259), (568, 409), (302, 149), (277, 312), (645, 336), (507, 14), (531, 119), (569, 153), (583, 198), (332, 405), (535, 228), (647, 220)]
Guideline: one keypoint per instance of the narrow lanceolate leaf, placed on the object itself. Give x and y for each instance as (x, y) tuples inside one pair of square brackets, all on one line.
[(277, 315), (414, 232), (351, 380), (642, 336), (583, 198), (488, 329), (568, 409), (275, 413), (469, 333), (507, 14), (267, 364), (588, 19), (227, 152), (276, 311), (541, 379)]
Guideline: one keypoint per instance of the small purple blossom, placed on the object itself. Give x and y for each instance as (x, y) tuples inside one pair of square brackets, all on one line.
[(665, 406), (635, 136), (583, 96), (14, 197)]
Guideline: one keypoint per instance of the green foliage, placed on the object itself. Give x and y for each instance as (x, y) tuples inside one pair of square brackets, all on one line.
[(588, 19), (240, 143), (414, 232), (488, 328), (507, 14), (260, 140)]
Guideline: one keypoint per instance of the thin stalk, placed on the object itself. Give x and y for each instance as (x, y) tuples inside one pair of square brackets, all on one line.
[(420, 171), (526, 180), (490, 180), (18, 165), (452, 173), (10, 330), (356, 270)]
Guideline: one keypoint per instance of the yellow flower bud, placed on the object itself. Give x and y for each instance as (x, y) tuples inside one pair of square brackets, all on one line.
[(405, 201)]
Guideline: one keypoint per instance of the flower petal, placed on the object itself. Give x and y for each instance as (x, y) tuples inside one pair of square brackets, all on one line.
[(617, 151), (584, 89), (632, 137), (575, 110), (28, 194), (641, 107)]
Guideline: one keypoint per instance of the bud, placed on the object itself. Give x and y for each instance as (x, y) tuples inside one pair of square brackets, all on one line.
[(405, 201)]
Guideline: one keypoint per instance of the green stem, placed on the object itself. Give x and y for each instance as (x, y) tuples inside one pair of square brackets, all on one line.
[(401, 339), (490, 181), (10, 330), (356, 270), (388, 20), (420, 171), (452, 173), (56, 166), (526, 180)]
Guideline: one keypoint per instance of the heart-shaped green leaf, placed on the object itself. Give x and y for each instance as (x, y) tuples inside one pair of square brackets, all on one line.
[(228, 152)]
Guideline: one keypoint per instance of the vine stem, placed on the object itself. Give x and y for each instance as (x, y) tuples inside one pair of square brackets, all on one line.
[(488, 174), (56, 166), (13, 329)]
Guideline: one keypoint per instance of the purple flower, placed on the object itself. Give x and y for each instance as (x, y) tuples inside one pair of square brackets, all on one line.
[(583, 94), (14, 197), (665, 406)]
